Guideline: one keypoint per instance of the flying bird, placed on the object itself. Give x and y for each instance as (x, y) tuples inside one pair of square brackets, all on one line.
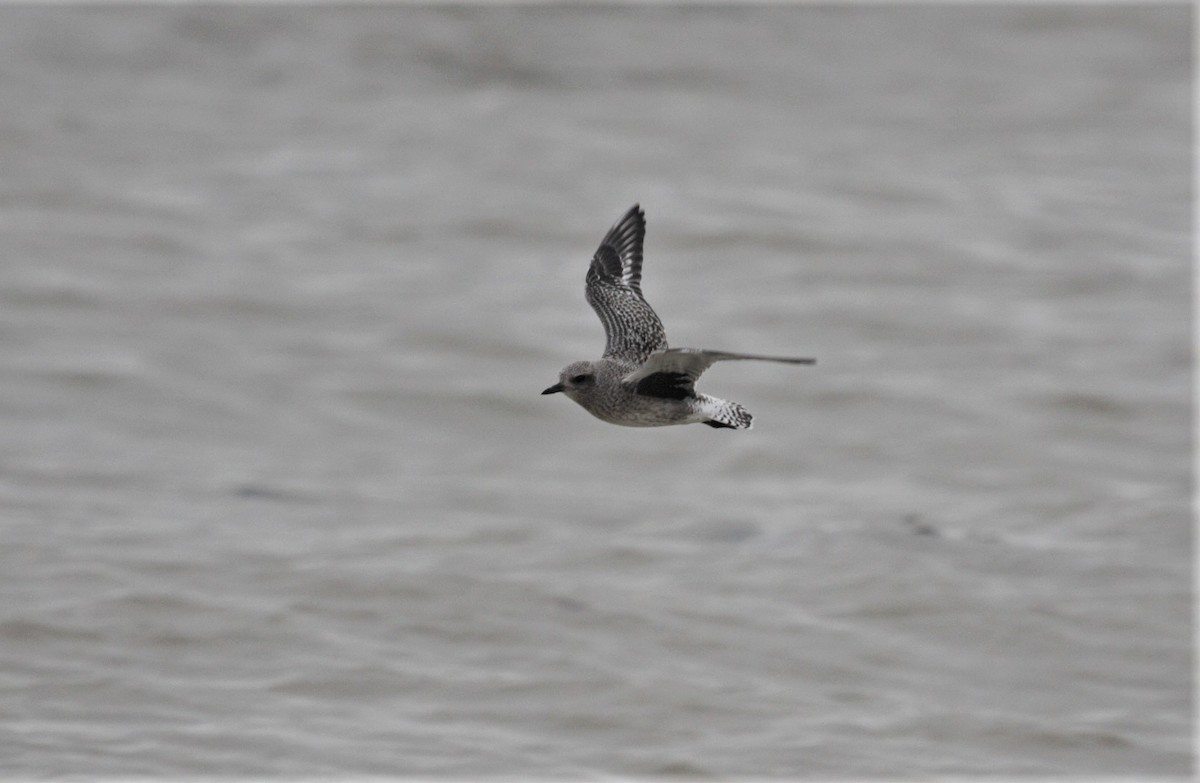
[(639, 381)]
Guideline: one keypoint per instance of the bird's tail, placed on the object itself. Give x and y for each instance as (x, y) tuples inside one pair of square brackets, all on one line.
[(723, 413)]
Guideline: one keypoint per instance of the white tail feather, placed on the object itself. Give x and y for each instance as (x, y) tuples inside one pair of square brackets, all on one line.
[(725, 413)]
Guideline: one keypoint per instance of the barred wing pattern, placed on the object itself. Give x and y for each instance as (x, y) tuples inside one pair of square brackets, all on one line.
[(614, 290)]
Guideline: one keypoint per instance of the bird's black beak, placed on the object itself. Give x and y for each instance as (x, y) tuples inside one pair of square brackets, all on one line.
[(555, 389)]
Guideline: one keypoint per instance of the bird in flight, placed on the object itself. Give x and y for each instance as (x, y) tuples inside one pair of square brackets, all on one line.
[(639, 381)]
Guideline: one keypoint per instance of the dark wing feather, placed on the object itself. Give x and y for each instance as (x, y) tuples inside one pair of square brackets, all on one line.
[(669, 385), (614, 290), (687, 364)]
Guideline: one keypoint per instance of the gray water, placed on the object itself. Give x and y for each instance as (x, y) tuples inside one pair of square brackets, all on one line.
[(279, 286)]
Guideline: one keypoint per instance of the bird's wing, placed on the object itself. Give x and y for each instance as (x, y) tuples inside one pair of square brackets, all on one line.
[(614, 290), (671, 372)]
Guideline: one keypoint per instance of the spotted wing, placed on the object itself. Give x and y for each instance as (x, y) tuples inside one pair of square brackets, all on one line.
[(614, 290), (673, 371)]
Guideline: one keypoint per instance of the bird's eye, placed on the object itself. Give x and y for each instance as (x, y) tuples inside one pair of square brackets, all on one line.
[(581, 379)]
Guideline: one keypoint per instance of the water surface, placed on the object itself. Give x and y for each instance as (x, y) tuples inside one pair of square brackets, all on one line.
[(279, 286)]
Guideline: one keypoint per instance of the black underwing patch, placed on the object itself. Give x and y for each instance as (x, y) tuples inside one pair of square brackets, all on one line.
[(668, 385)]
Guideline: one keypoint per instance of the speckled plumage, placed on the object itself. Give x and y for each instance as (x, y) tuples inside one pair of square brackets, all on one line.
[(639, 381)]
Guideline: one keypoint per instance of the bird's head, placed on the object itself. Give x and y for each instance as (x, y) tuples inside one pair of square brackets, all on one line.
[(576, 380)]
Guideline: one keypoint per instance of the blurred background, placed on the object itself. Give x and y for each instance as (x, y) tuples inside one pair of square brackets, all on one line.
[(279, 286)]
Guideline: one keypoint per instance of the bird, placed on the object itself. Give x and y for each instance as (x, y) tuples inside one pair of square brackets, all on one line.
[(639, 381)]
